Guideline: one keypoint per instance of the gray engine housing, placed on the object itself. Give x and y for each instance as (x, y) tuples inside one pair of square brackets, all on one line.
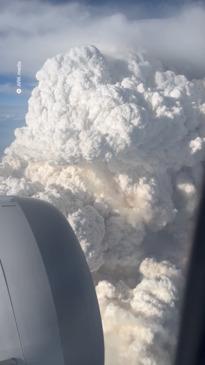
[(49, 313)]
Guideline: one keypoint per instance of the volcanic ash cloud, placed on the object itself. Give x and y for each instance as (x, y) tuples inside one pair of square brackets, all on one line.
[(117, 144)]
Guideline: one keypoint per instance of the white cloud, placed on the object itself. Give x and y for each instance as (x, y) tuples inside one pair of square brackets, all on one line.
[(137, 320), (33, 31), (117, 144)]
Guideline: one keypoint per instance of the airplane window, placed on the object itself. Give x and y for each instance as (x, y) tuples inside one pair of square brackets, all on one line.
[(102, 110)]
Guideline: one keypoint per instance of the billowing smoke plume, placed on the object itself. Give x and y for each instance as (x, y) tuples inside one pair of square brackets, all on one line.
[(117, 145)]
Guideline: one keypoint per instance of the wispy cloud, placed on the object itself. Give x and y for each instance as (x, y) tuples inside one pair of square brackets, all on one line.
[(10, 88), (12, 113)]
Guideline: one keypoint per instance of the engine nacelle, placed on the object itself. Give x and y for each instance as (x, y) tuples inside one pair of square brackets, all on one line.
[(49, 313)]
